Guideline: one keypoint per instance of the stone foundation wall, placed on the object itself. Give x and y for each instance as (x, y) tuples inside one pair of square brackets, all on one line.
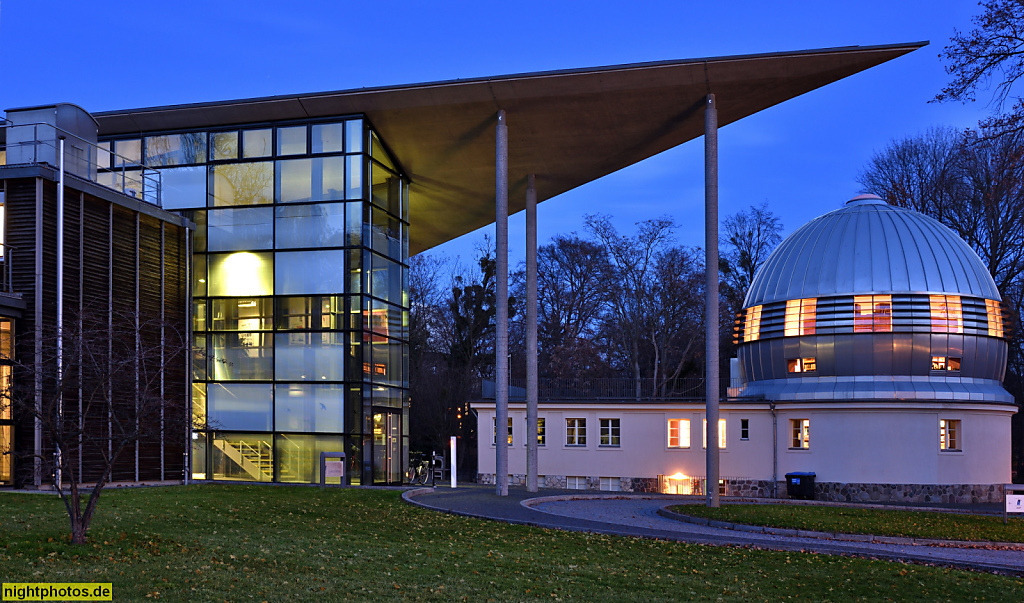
[(826, 491), (910, 493), (751, 488)]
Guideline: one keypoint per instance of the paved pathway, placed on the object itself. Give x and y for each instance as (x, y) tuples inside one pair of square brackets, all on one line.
[(636, 515)]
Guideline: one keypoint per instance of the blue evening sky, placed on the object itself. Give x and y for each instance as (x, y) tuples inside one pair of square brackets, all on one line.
[(802, 157)]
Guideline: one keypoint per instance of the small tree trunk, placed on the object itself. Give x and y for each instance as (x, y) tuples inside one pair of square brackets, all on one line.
[(78, 530)]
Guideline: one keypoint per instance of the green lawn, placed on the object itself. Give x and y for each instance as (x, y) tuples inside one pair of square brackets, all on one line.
[(206, 543), (914, 524)]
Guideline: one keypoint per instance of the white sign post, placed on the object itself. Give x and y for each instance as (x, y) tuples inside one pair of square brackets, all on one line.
[(1013, 503), (453, 460)]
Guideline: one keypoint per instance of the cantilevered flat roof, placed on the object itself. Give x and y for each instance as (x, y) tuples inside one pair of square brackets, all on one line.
[(567, 127)]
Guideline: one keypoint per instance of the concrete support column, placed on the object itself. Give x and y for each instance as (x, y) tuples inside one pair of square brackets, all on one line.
[(711, 299), (501, 301), (531, 333)]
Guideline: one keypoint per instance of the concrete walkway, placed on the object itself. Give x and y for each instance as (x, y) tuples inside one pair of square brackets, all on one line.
[(635, 515)]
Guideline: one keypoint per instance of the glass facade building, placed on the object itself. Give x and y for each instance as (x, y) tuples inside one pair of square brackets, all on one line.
[(300, 258)]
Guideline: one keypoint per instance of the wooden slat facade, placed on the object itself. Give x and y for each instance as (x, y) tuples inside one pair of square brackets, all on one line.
[(121, 265)]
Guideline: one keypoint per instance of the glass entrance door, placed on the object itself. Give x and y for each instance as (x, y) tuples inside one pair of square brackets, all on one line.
[(387, 448)]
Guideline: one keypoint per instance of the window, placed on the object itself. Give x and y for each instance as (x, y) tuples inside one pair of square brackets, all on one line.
[(610, 432), (801, 365), (721, 433), (752, 324), (540, 431), (941, 363), (801, 430), (678, 433), (494, 430), (949, 435), (611, 484), (947, 314), (872, 313), (575, 432), (800, 316), (575, 482), (995, 317), (744, 429), (291, 140)]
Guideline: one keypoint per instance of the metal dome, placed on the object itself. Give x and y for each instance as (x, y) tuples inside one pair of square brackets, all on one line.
[(869, 246)]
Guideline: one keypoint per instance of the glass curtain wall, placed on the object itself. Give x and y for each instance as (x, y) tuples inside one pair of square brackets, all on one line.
[(300, 310)]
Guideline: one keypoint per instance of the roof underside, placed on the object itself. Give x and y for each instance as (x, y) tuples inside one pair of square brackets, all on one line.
[(567, 127)]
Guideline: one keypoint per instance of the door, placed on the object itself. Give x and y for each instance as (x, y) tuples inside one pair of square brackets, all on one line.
[(387, 447)]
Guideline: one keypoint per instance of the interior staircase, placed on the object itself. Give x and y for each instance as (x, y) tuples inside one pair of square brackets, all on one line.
[(256, 459)]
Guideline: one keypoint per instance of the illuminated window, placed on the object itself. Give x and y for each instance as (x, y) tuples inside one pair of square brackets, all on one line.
[(375, 325), (947, 314), (942, 363), (801, 432), (949, 434), (752, 324), (872, 313), (494, 424), (678, 433), (241, 274), (540, 432), (721, 433), (995, 317), (800, 316), (575, 432), (801, 365), (610, 432), (376, 368)]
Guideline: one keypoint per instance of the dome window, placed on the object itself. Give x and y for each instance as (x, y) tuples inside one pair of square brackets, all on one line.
[(800, 316), (872, 313), (947, 314), (995, 317), (752, 324)]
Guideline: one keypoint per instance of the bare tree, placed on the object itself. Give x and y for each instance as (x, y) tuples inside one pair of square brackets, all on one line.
[(922, 173), (572, 296), (991, 53), (95, 389), (680, 315), (750, 237), (631, 323)]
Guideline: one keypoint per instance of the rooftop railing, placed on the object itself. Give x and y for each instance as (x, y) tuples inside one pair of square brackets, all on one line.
[(39, 143)]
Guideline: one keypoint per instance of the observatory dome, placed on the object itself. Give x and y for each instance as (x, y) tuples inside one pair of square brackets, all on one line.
[(873, 302), (871, 246)]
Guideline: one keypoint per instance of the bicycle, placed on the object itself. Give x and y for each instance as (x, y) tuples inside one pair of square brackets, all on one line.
[(419, 470)]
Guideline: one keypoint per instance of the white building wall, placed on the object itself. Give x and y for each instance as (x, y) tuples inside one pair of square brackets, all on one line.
[(881, 443)]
